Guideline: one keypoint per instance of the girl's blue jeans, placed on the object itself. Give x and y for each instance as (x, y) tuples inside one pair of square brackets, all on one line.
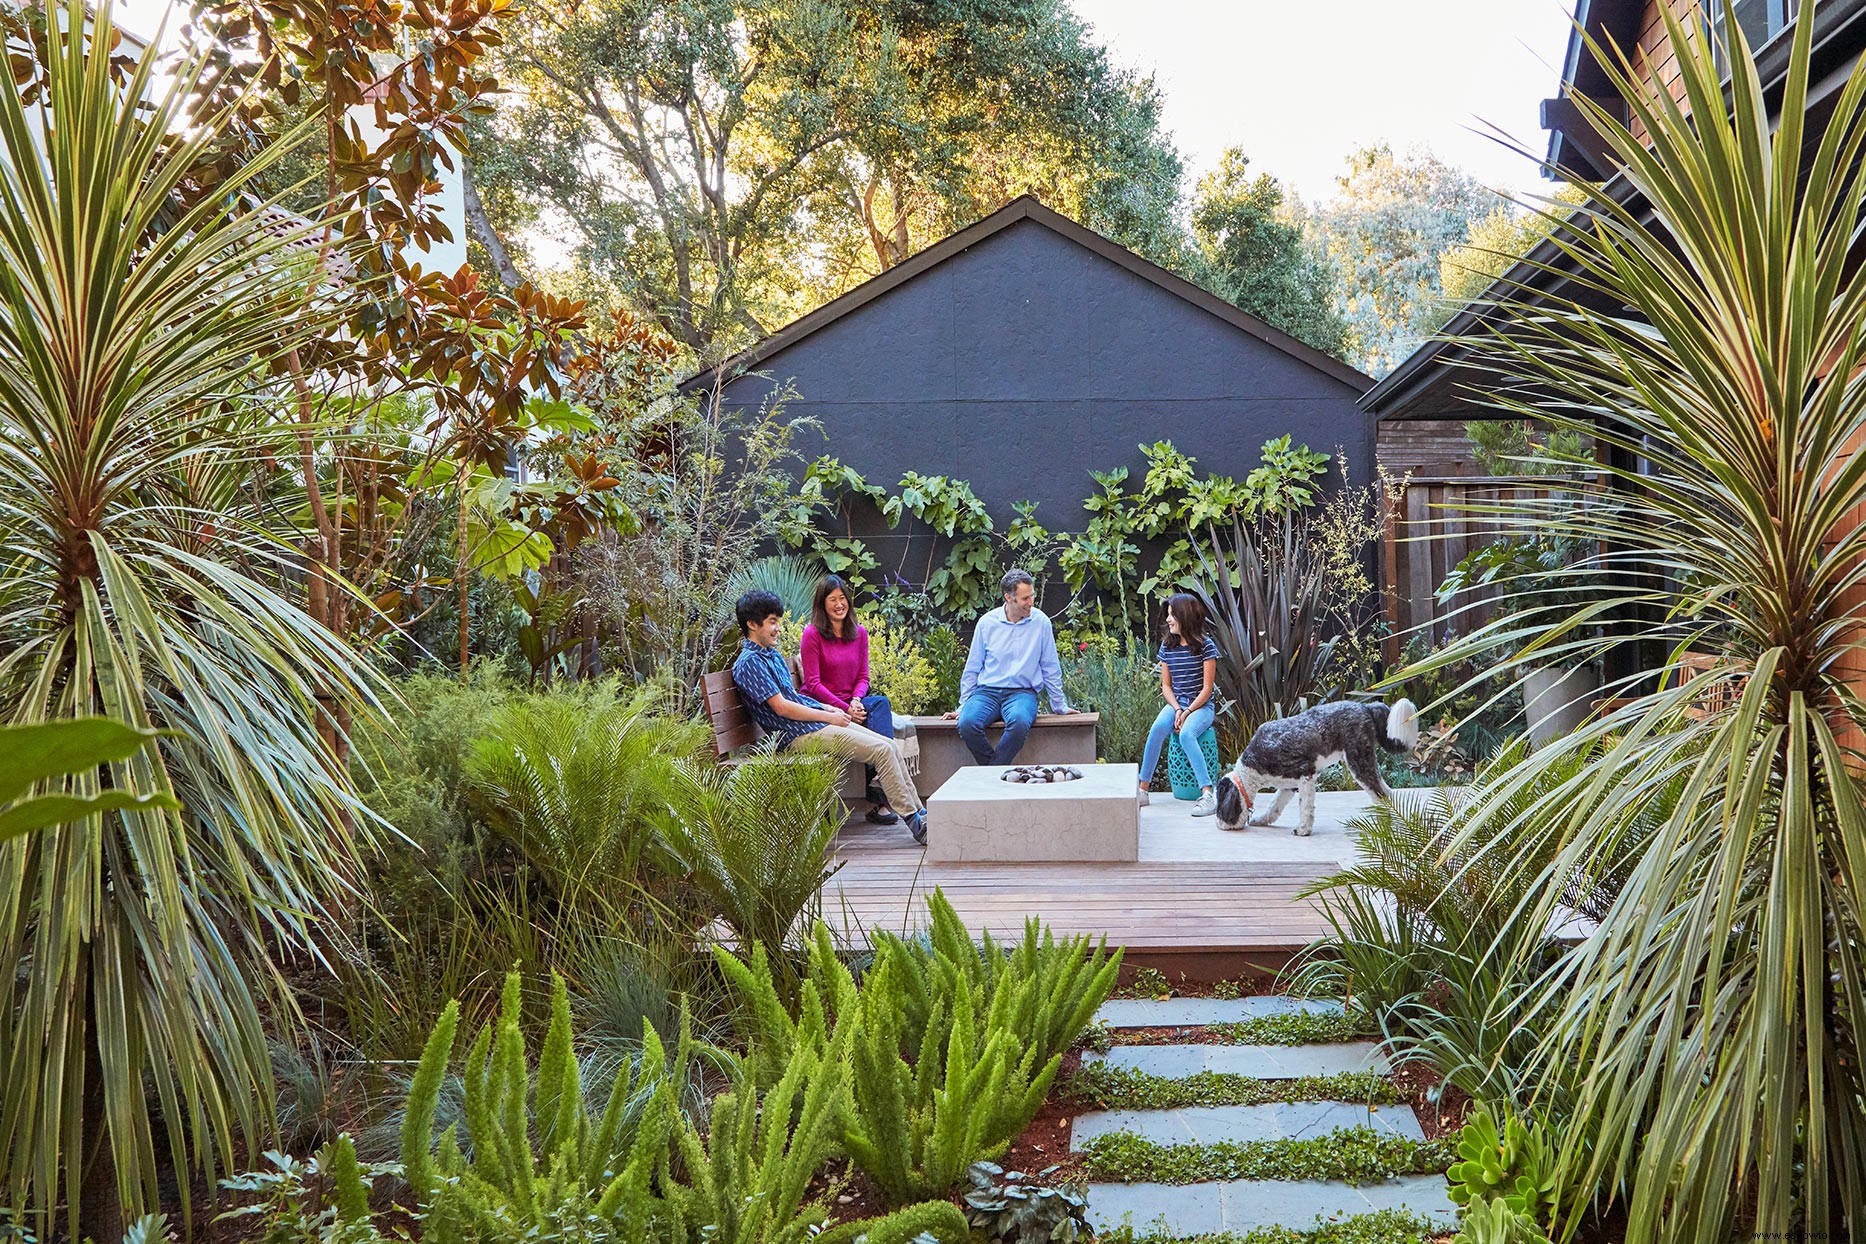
[(1198, 721)]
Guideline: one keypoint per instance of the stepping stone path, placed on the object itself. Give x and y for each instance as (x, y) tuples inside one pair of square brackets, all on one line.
[(1241, 1205)]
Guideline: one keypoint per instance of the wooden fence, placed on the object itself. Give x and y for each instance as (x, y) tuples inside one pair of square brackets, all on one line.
[(1430, 528)]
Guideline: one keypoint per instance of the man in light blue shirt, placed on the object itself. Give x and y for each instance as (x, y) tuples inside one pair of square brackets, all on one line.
[(1013, 653)]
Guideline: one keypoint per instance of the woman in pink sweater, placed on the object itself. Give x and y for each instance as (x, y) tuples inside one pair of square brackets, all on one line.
[(835, 671)]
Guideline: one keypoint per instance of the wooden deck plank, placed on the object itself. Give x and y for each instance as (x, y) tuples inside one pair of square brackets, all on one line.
[(1196, 890), (1207, 906)]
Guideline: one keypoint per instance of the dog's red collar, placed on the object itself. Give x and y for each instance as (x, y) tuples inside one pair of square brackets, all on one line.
[(1242, 793)]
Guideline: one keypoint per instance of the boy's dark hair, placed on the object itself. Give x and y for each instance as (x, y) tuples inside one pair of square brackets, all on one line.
[(755, 606)]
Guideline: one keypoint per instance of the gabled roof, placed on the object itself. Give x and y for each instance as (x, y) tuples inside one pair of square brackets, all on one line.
[(1027, 207)]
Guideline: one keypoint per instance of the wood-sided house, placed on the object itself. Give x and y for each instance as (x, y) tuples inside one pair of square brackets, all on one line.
[(1430, 386)]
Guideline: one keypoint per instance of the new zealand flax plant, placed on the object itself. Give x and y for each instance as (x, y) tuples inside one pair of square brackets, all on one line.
[(1718, 1008), (144, 578)]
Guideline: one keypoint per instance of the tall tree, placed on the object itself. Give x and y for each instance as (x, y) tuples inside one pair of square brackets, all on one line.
[(723, 164), (1385, 233), (1252, 253)]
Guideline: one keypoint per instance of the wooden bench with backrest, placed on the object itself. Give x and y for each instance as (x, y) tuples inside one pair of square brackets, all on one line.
[(734, 728)]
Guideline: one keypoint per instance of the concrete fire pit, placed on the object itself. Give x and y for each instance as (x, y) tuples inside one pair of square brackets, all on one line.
[(976, 815)]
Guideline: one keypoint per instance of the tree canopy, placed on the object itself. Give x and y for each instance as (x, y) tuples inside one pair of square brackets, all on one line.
[(1394, 218), (1252, 253), (725, 164)]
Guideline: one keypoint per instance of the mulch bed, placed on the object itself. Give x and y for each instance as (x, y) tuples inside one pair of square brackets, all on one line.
[(1045, 1143), (1252, 986), (1439, 1118), (859, 1198)]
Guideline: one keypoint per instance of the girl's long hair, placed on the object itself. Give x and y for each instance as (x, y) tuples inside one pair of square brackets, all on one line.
[(819, 608), (1189, 611)]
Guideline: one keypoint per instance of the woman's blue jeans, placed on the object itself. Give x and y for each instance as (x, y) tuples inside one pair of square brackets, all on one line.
[(1198, 721), (881, 721)]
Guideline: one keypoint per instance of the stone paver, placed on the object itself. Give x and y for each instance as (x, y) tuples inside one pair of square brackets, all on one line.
[(1189, 1209), (1264, 1062), (1246, 1204), (1188, 1012), (1420, 1194), (1204, 1125)]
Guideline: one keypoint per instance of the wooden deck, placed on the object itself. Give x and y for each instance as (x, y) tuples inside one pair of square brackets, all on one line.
[(1197, 892)]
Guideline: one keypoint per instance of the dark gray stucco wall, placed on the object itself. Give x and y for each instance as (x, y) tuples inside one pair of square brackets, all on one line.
[(1027, 361)]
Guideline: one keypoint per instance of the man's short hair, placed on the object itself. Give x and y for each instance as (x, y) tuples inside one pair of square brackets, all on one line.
[(1014, 577), (755, 606)]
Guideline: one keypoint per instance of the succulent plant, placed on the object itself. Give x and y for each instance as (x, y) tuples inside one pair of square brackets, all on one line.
[(1494, 1222), (1022, 1209), (1515, 1165)]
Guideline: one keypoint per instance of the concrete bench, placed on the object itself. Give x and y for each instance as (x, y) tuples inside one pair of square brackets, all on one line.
[(1054, 740)]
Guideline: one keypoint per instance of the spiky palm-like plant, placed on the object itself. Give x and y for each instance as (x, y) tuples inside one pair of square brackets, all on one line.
[(1717, 1012), (136, 318)]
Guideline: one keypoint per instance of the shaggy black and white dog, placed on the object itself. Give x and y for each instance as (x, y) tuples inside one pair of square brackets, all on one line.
[(1285, 755)]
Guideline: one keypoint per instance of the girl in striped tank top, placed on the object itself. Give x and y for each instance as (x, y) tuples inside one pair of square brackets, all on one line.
[(1188, 670)]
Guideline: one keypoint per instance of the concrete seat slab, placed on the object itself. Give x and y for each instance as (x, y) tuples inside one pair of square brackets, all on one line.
[(1262, 1062), (1188, 1012), (1204, 1125), (977, 816)]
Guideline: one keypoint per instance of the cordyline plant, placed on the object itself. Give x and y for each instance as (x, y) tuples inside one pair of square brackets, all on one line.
[(1719, 1007), (139, 583)]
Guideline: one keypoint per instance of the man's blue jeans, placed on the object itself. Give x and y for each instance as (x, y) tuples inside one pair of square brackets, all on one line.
[(1015, 706)]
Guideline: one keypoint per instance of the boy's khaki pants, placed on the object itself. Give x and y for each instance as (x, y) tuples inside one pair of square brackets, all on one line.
[(857, 743)]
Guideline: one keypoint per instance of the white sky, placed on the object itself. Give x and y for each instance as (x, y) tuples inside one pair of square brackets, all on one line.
[(1299, 85)]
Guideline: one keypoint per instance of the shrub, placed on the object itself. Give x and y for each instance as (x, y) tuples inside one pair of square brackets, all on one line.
[(1430, 938), (585, 1170), (945, 654), (579, 781), (414, 778), (1513, 1164), (792, 578), (957, 1043), (1287, 589), (324, 1200), (1494, 1222), (898, 669), (1120, 679), (1012, 1208)]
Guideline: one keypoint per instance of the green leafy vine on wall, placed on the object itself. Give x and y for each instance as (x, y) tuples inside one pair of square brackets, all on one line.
[(1172, 499)]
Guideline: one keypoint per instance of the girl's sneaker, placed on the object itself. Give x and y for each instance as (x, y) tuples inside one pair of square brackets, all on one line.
[(1207, 804), (1145, 799)]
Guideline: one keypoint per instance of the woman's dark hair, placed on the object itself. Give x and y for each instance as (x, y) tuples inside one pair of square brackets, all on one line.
[(755, 606), (819, 608), (1190, 613)]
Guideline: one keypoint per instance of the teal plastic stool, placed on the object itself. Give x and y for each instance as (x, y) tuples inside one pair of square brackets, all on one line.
[(1179, 769)]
